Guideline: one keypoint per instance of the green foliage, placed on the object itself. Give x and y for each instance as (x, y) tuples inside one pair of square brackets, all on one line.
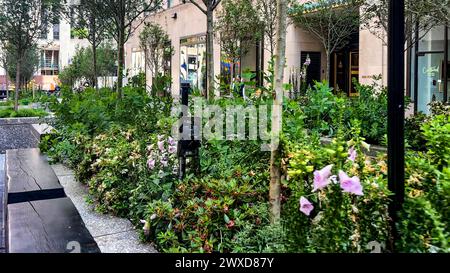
[(370, 107), (320, 109), (424, 226), (82, 62), (161, 85), (413, 136), (204, 214), (28, 65), (123, 151), (138, 81), (10, 113), (437, 134), (325, 111), (105, 144), (262, 237), (340, 221), (414, 133), (157, 46), (239, 28)]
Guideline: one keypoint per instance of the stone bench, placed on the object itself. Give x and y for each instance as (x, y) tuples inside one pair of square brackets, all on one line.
[(40, 218)]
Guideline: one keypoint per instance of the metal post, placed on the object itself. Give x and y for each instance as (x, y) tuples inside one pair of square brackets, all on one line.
[(396, 109), (185, 86), (445, 68), (416, 65)]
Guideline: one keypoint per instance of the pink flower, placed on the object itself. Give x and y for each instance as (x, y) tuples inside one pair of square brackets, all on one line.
[(350, 185), (305, 206), (151, 164), (160, 137), (352, 154), (321, 178), (165, 163), (172, 141), (161, 145), (172, 149)]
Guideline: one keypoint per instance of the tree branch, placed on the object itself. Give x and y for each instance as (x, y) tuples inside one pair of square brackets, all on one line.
[(198, 6)]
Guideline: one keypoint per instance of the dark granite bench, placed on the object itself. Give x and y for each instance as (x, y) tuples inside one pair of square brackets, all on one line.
[(40, 218)]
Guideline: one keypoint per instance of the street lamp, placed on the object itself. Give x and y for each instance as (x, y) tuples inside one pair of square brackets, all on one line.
[(396, 109)]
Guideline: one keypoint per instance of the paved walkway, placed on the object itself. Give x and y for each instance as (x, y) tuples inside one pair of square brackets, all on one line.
[(112, 234)]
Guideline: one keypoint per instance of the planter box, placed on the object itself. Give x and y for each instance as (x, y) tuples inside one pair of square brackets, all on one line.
[(27, 120)]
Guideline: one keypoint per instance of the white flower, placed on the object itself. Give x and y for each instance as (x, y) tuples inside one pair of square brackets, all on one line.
[(333, 179)]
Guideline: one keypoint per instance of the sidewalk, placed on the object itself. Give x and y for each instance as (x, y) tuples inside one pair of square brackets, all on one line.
[(112, 234)]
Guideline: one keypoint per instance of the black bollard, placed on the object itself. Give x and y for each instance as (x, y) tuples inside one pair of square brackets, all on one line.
[(188, 146)]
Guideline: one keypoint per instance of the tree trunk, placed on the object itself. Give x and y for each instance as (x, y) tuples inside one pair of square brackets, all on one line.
[(94, 53), (328, 68), (120, 61), (6, 80), (210, 53), (277, 111), (16, 93)]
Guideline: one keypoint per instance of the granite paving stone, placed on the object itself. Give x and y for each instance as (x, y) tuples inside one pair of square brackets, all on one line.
[(17, 137), (112, 234)]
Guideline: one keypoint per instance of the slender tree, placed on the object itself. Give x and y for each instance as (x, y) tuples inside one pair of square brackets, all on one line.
[(122, 18), (30, 63), (80, 68), (333, 23), (21, 24), (267, 12), (84, 16), (239, 28), (277, 111), (157, 47), (208, 8), (4, 64)]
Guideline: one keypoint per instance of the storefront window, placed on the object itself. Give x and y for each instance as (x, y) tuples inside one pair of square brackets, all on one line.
[(448, 64), (431, 80), (430, 83), (433, 40), (193, 61)]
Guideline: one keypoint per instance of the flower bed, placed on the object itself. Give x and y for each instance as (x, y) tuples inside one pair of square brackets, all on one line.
[(334, 195)]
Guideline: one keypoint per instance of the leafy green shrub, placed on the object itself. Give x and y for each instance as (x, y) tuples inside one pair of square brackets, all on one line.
[(370, 108), (336, 197), (122, 149), (204, 214), (105, 139), (262, 237), (413, 135), (426, 212), (10, 113), (325, 111), (320, 108), (424, 217)]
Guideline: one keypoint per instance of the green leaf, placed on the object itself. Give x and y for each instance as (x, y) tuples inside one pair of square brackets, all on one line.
[(226, 218)]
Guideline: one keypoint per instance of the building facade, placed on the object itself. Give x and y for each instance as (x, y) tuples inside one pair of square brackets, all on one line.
[(57, 47), (364, 59)]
